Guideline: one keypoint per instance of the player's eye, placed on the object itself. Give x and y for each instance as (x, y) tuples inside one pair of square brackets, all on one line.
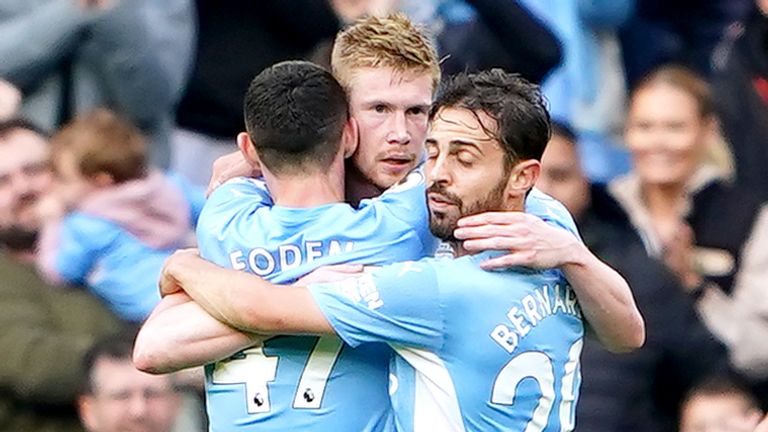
[(465, 159), (380, 108), (432, 152)]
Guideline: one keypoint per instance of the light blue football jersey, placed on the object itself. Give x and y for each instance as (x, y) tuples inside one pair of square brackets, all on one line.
[(476, 350), (294, 382)]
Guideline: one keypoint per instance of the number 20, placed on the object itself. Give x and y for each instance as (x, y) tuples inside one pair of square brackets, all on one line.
[(537, 365)]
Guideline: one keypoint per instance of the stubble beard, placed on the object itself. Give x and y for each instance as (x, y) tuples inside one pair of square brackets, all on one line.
[(442, 225)]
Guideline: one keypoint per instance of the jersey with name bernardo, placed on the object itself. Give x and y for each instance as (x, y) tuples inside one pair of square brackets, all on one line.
[(296, 383), (476, 350)]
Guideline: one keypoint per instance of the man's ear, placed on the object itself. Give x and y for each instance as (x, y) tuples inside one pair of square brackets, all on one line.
[(523, 177), (102, 179), (248, 150), (87, 414), (350, 137)]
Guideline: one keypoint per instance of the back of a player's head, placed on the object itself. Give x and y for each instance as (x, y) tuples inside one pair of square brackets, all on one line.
[(103, 142), (516, 105), (295, 113), (376, 42)]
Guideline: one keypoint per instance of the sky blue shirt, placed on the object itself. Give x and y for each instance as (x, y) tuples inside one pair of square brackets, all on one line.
[(293, 382), (116, 265), (476, 350), (240, 228)]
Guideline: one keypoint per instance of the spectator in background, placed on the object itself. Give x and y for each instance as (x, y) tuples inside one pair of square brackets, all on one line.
[(676, 31), (70, 56), (636, 392), (719, 404), (588, 90), (236, 40), (44, 331), (118, 397), (712, 235), (495, 34), (111, 222), (471, 35), (740, 89)]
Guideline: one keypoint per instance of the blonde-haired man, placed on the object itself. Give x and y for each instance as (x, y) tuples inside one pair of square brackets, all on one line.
[(390, 71)]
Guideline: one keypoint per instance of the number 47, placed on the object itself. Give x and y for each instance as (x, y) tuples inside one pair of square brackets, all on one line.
[(255, 370)]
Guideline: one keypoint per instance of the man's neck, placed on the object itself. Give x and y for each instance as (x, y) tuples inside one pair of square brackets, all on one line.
[(664, 201), (458, 249), (358, 187), (306, 191)]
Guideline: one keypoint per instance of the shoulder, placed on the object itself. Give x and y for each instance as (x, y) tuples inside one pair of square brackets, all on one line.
[(550, 210), (236, 195), (239, 187)]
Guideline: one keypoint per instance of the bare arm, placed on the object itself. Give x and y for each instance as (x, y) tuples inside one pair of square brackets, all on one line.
[(179, 334), (243, 300), (604, 295)]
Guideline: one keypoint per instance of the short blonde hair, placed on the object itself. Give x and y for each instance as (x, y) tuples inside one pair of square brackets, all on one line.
[(102, 141), (392, 41)]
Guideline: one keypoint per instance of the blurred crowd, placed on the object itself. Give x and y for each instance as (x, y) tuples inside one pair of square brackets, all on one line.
[(113, 111)]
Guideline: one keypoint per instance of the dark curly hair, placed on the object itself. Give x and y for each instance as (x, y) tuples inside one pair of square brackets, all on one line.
[(523, 125)]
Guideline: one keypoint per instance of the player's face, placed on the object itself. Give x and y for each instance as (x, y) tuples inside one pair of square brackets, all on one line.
[(25, 174), (562, 177), (391, 112), (666, 134), (726, 413), (465, 169), (127, 400)]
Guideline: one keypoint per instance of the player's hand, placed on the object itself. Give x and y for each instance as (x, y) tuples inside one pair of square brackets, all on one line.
[(173, 269), (531, 242), (228, 167), (332, 273)]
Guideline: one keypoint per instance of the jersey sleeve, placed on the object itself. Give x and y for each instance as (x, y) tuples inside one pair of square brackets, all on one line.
[(397, 304), (550, 211), (406, 201)]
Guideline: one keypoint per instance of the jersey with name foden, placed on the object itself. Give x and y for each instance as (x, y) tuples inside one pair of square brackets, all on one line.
[(296, 382)]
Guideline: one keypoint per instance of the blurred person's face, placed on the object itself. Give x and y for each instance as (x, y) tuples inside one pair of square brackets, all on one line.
[(125, 399), (350, 10), (25, 174), (763, 5), (562, 177), (665, 134), (70, 182), (391, 112), (465, 170), (725, 413)]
